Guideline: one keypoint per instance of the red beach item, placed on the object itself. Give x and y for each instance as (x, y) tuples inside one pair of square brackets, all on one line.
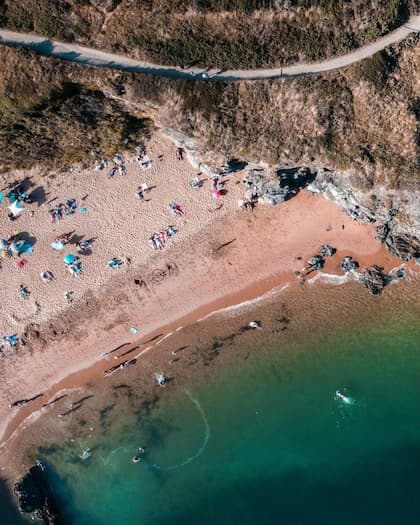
[(22, 263)]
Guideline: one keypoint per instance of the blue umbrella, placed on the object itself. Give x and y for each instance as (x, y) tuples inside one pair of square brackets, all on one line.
[(69, 258)]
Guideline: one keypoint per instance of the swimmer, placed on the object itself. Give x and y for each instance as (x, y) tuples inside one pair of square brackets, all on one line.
[(137, 457), (85, 454), (345, 399)]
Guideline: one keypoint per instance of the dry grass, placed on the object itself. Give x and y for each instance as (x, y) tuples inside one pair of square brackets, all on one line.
[(219, 33), (365, 119)]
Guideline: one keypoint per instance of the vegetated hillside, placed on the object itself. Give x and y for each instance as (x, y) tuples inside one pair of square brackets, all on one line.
[(219, 33), (365, 119), (47, 118)]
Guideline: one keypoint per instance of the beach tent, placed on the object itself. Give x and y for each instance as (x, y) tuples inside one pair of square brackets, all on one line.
[(16, 209), (69, 258), (1, 197)]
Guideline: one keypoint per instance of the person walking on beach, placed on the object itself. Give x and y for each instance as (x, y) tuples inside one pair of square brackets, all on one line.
[(180, 153), (24, 292)]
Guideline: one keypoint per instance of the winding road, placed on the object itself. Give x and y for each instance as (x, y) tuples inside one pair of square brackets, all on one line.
[(93, 57)]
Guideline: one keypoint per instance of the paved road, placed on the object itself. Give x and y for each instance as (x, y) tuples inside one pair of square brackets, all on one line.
[(93, 57)]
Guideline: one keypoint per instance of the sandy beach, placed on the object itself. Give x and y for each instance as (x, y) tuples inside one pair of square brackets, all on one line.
[(220, 256)]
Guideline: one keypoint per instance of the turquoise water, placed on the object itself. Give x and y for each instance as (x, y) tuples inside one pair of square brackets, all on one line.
[(266, 441)]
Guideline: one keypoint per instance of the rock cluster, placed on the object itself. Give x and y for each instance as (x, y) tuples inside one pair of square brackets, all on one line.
[(348, 264), (403, 246), (35, 498), (277, 188), (397, 210)]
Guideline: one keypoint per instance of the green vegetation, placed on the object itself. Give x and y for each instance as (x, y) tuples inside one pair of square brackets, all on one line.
[(65, 127), (377, 68)]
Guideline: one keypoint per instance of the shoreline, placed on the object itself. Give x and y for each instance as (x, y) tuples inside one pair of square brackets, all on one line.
[(223, 258), (76, 380)]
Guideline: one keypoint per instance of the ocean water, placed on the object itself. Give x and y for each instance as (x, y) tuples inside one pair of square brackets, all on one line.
[(265, 441)]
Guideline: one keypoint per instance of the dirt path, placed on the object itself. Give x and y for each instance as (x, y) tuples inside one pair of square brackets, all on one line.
[(94, 57)]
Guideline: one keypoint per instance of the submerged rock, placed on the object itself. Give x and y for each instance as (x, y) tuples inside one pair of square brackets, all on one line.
[(375, 279), (348, 264), (34, 496)]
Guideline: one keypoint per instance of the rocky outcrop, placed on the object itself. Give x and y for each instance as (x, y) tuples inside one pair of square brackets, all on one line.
[(402, 245), (34, 496), (397, 211), (375, 279), (275, 186)]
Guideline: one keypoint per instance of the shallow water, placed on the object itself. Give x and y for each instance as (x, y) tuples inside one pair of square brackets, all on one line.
[(265, 441)]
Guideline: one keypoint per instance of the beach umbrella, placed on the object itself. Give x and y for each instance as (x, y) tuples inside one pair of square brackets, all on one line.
[(69, 258)]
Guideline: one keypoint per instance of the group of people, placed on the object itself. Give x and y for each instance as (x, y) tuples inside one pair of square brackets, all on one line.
[(158, 239), (144, 161), (61, 210), (176, 210), (14, 245)]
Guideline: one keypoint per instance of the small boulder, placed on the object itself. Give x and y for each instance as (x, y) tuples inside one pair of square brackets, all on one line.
[(316, 262), (348, 264), (327, 251)]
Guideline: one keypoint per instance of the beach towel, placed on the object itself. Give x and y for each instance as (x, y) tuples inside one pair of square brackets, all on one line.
[(22, 263), (57, 246)]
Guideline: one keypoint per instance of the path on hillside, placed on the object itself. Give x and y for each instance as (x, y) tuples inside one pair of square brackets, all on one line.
[(93, 57)]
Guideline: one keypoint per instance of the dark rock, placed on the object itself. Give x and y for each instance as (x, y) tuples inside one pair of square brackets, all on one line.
[(316, 262), (34, 496), (327, 251), (382, 230), (400, 273), (375, 279), (403, 246), (348, 264), (275, 190)]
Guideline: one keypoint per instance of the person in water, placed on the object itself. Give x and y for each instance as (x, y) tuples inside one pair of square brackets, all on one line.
[(137, 457)]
